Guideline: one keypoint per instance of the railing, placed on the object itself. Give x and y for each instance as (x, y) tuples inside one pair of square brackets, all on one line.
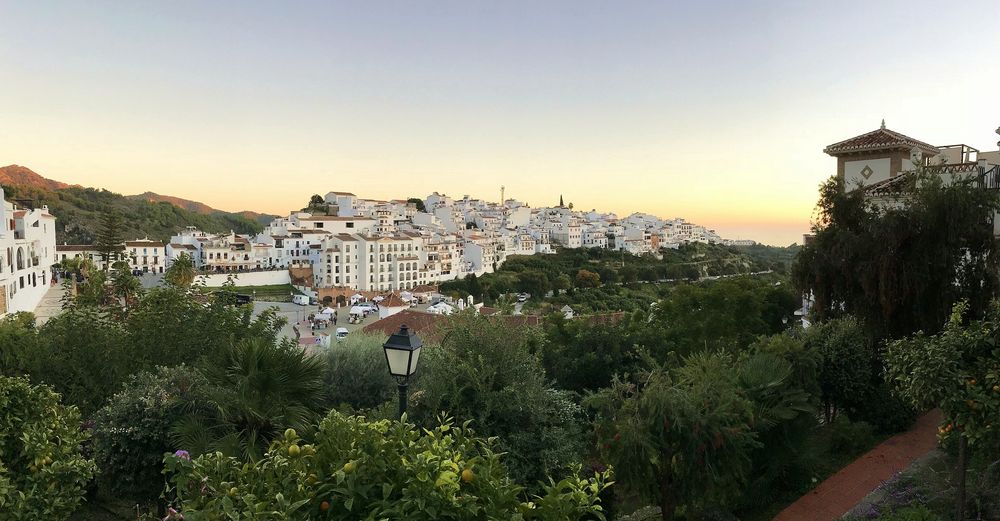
[(989, 178)]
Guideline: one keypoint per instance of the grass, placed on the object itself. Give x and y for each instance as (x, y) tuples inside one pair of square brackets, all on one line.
[(263, 292)]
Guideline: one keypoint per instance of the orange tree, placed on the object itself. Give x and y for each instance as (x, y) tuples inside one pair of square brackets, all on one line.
[(958, 371), (360, 469), (42, 472)]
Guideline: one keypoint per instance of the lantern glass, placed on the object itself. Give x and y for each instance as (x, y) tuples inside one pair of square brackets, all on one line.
[(399, 361)]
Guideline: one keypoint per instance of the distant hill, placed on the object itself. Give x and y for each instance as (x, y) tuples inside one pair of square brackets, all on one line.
[(78, 209), (199, 207), (17, 175)]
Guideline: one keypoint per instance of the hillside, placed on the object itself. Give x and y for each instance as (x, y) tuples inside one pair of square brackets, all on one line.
[(78, 210), (199, 207), (18, 175)]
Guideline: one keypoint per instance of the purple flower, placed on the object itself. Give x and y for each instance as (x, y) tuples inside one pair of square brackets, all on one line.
[(183, 454)]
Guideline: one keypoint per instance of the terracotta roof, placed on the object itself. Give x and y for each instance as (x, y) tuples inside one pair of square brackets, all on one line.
[(424, 288), (183, 246), (879, 139), (154, 244), (426, 325), (346, 237), (344, 193), (393, 301), (75, 247)]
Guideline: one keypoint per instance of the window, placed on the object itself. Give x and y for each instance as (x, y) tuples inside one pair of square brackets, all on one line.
[(350, 225)]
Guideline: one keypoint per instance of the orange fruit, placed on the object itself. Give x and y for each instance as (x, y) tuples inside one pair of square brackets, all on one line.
[(324, 506), (468, 476)]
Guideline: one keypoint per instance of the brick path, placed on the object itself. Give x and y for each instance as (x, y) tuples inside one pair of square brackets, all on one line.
[(841, 491)]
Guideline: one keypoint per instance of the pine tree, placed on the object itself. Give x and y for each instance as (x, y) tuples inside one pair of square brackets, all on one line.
[(110, 243), (560, 201)]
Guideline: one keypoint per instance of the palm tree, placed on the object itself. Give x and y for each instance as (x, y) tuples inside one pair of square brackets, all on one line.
[(181, 272), (263, 390), (126, 287)]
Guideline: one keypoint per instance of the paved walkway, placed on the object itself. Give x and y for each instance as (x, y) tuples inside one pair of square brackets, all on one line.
[(841, 491)]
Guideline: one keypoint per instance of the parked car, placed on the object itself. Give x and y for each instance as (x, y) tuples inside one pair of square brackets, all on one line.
[(523, 297), (341, 334), (243, 299)]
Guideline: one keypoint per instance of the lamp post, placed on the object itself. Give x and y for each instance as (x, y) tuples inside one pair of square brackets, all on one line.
[(402, 351)]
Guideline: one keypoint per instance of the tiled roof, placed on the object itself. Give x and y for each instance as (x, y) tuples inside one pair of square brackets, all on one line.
[(183, 246), (879, 139), (426, 325), (152, 244), (392, 301), (75, 247)]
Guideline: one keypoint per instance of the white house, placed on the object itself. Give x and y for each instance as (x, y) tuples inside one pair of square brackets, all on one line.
[(27, 253)]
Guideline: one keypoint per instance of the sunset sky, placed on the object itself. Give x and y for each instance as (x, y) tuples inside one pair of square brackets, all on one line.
[(712, 111)]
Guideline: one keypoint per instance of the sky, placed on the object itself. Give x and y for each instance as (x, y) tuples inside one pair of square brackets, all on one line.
[(713, 111)]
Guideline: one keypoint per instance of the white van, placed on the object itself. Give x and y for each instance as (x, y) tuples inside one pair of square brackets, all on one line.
[(341, 333), (302, 300)]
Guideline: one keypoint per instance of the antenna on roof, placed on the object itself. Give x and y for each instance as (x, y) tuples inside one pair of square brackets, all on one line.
[(883, 123)]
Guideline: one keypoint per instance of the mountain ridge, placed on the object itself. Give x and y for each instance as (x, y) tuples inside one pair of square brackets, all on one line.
[(78, 209)]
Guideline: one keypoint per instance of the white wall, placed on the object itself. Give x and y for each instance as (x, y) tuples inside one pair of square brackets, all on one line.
[(254, 278), (852, 172)]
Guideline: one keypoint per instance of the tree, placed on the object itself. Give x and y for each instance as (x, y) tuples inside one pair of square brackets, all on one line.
[(587, 279), (42, 471), (582, 357), (261, 390), (418, 202), (535, 282), (110, 243), (958, 371), (181, 272), (900, 269), (726, 314), (82, 354), (126, 287), (316, 204), (486, 372), (847, 368), (19, 339), (681, 437), (356, 377), (132, 431), (562, 283), (374, 470)]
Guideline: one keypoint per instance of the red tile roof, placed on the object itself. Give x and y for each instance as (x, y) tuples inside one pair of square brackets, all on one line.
[(392, 301), (879, 139), (426, 325)]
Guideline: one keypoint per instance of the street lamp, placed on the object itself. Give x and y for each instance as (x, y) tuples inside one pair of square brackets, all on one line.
[(402, 351)]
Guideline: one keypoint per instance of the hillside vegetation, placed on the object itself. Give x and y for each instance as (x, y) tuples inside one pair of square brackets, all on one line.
[(78, 211)]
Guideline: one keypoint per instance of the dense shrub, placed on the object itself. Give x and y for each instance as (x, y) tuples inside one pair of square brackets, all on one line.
[(42, 472), (132, 432), (373, 470), (486, 372), (356, 373)]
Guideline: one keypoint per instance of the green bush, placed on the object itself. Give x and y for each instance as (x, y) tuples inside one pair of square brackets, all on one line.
[(132, 431), (356, 374), (486, 372), (850, 437), (373, 470), (42, 473)]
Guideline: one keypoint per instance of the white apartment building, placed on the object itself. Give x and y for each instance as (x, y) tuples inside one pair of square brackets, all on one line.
[(27, 253)]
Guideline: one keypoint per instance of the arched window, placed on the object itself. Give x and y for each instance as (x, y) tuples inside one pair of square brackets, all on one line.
[(20, 258)]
